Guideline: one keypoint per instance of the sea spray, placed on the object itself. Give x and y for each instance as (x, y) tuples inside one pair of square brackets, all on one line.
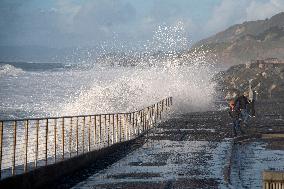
[(127, 80)]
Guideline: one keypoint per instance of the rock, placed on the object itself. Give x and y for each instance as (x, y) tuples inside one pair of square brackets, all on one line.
[(266, 80)]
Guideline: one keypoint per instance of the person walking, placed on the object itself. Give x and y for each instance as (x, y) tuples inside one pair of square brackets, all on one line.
[(243, 106), (234, 113)]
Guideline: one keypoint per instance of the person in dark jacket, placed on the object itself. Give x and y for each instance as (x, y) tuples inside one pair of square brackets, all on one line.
[(234, 113), (243, 106)]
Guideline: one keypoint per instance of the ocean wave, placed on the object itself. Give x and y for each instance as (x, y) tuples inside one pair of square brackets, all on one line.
[(9, 70)]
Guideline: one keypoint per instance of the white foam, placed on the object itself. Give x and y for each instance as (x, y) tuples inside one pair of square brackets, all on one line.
[(184, 76), (9, 70)]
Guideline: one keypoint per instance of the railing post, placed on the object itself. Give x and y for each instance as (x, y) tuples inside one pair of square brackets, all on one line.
[(161, 104), (153, 115), (144, 120), (1, 145), (26, 144), (126, 126), (89, 134), (167, 102), (120, 128), (55, 137), (133, 124), (77, 136), (100, 129), (166, 105), (124, 131), (95, 131), (63, 139), (157, 117), (136, 121), (108, 125), (14, 148), (129, 125), (70, 137), (46, 140), (83, 134), (112, 128), (148, 118), (36, 154), (105, 131), (117, 123), (140, 122)]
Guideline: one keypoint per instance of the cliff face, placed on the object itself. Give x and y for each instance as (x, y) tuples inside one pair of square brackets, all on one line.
[(250, 40), (267, 80)]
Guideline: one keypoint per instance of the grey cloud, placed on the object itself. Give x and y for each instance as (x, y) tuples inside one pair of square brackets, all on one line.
[(90, 22), (99, 14)]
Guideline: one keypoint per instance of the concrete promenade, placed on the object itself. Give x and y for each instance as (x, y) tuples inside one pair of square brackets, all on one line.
[(196, 150)]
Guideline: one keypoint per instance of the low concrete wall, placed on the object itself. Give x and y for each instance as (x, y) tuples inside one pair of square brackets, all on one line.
[(44, 176), (275, 135), (273, 179), (273, 176)]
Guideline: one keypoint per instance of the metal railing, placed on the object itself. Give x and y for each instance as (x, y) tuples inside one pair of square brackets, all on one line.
[(26, 144)]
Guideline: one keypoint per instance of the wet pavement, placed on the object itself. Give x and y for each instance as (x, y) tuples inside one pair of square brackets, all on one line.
[(165, 164), (192, 151), (181, 153)]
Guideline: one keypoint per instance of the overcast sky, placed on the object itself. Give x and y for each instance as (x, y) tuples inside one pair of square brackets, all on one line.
[(66, 23)]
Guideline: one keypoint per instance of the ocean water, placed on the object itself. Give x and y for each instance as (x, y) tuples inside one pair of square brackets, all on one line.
[(120, 81), (64, 90)]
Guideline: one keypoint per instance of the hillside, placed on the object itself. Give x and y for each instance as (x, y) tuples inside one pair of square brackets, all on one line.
[(250, 40), (267, 80)]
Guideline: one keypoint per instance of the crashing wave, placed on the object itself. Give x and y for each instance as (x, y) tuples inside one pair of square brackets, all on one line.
[(133, 80), (9, 70)]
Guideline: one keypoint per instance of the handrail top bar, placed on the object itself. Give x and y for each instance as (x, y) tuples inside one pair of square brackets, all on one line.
[(77, 116)]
